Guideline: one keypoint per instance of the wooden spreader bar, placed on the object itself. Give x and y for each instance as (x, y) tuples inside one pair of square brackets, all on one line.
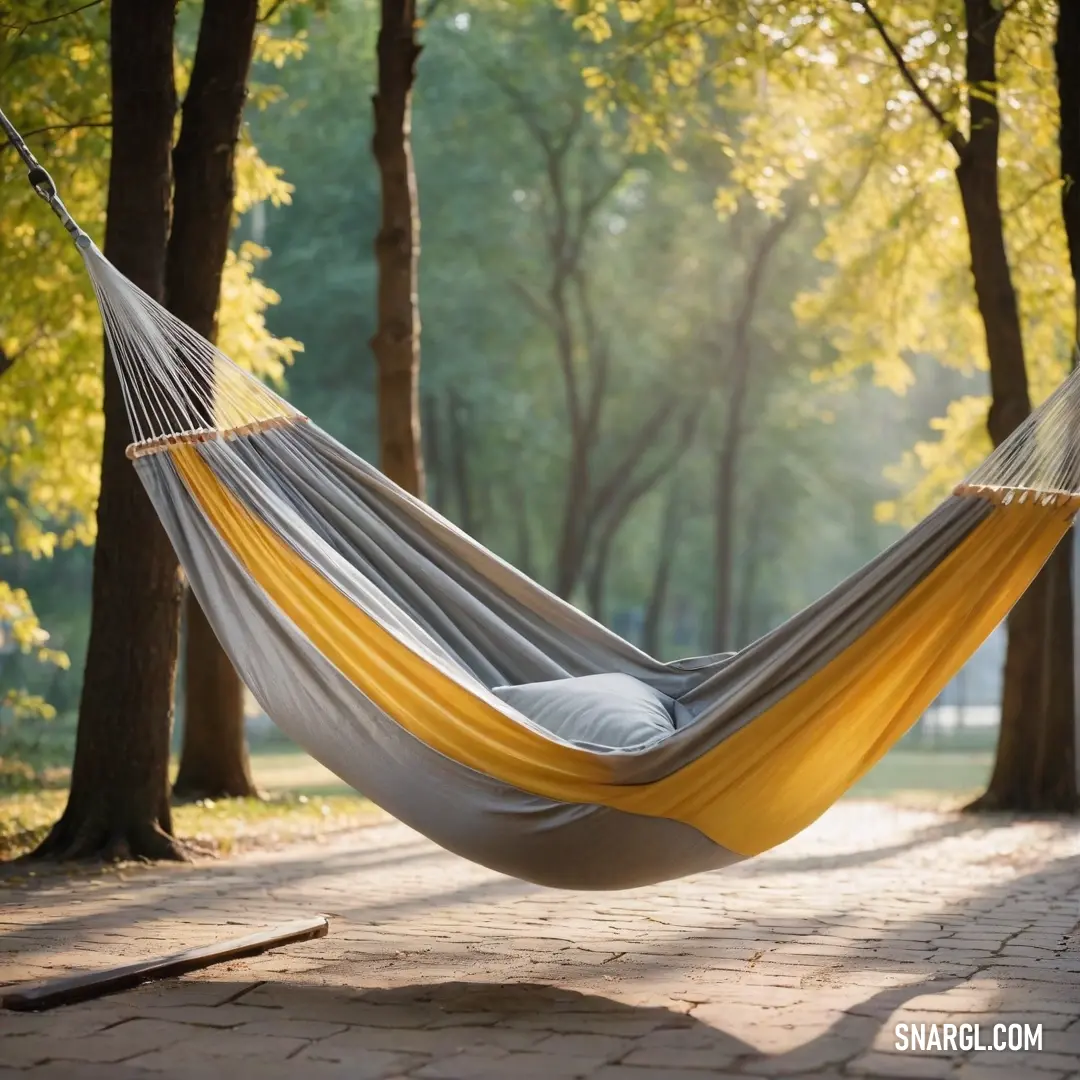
[(99, 983), (1013, 495), (166, 442)]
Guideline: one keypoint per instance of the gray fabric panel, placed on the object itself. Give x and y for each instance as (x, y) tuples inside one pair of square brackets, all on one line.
[(555, 844), (487, 630), (406, 566), (598, 712)]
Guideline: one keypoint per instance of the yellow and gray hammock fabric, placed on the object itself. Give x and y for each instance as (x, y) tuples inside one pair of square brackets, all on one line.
[(495, 718)]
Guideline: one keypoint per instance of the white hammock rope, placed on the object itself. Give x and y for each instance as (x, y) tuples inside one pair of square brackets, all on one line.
[(1040, 459), (176, 385)]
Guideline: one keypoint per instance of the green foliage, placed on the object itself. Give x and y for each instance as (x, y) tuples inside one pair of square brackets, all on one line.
[(810, 94), (666, 278), (56, 91)]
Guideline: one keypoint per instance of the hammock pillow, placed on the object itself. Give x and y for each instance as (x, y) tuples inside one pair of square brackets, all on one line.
[(599, 712)]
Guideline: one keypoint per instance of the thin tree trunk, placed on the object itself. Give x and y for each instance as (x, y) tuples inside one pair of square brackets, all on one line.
[(596, 581), (524, 531), (435, 463), (670, 530), (724, 501), (735, 429), (1034, 766), (396, 343), (214, 758), (570, 553), (746, 625), (615, 501), (118, 806), (459, 463)]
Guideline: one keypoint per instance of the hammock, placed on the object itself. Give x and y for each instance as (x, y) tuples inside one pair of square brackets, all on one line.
[(497, 719)]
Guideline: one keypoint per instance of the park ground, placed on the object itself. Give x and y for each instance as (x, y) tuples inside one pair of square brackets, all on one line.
[(797, 964), (303, 800)]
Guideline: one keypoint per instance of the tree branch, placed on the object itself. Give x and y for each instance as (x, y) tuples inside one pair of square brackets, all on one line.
[(272, 10), (598, 354), (60, 127), (535, 305), (9, 360), (638, 487), (23, 27), (624, 468), (955, 139)]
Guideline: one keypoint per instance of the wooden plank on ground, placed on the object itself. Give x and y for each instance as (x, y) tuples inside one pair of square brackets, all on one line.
[(84, 987)]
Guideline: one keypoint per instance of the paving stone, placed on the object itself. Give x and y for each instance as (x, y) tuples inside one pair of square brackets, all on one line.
[(650, 1072), (526, 1066), (901, 1065), (354, 1041), (674, 1057), (799, 963)]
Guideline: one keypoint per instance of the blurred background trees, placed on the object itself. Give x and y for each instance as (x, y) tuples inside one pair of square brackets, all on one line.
[(700, 333)]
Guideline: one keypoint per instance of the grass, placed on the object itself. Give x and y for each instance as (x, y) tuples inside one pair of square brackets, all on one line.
[(305, 801), (926, 775)]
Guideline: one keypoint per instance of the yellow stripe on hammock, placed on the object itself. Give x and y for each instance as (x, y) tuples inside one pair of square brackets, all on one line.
[(755, 789)]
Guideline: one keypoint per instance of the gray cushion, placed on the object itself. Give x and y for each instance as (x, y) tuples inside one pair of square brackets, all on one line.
[(605, 712)]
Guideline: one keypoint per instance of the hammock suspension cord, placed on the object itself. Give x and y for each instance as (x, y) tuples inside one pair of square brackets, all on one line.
[(43, 184)]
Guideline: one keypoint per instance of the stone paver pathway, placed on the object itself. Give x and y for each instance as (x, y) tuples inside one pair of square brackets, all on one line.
[(798, 964)]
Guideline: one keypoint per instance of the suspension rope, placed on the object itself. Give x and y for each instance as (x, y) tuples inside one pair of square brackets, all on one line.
[(43, 184)]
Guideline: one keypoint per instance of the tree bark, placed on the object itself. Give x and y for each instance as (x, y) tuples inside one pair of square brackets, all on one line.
[(1053, 778), (118, 806), (214, 759), (396, 343), (1034, 766), (1067, 56)]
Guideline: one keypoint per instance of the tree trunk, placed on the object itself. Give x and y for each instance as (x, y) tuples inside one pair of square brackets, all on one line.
[(1067, 55), (396, 343), (1034, 766), (118, 806), (727, 458), (434, 452), (214, 760), (459, 463), (596, 581), (570, 553), (745, 623), (524, 532), (1054, 777), (724, 495), (670, 529)]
